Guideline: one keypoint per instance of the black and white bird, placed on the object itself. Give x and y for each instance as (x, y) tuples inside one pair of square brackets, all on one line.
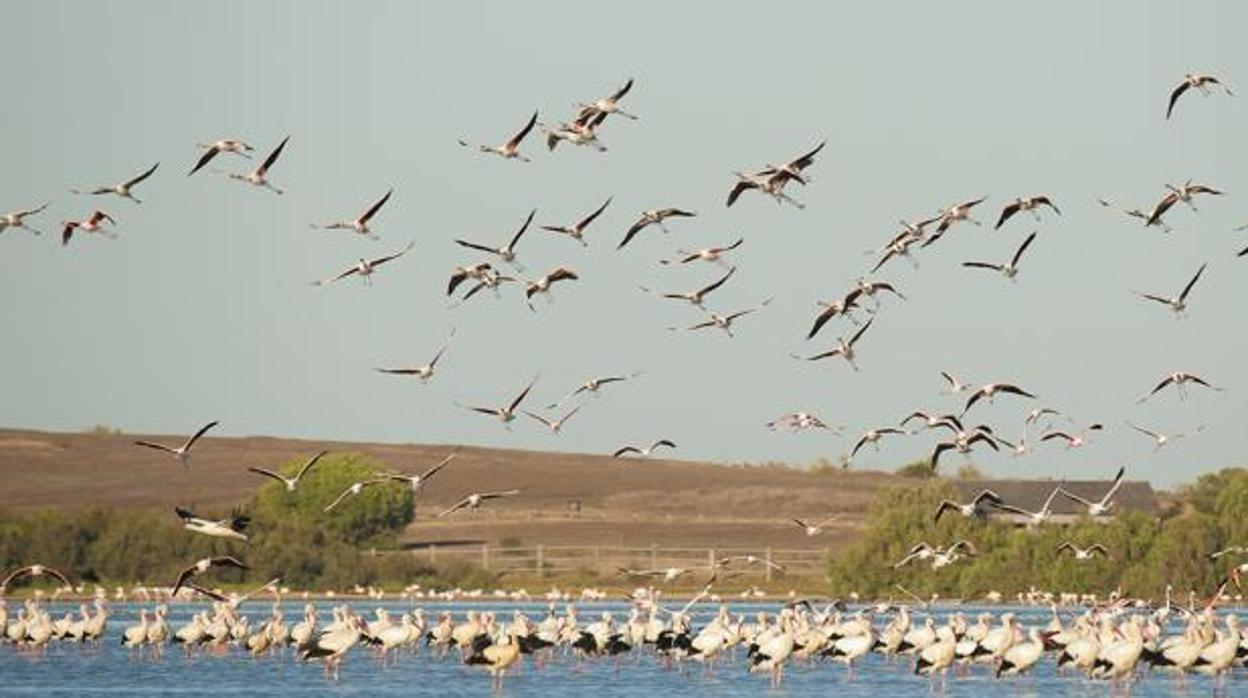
[(989, 391), (815, 528), (259, 177), (122, 189), (842, 307), (793, 170), (953, 214), (510, 149), (1178, 194), (17, 219), (35, 571), (707, 254), (1200, 82), (354, 490), (202, 567), (798, 421), (554, 425), (222, 145), (723, 321), (576, 231), (963, 442), (291, 483), (459, 275), (365, 268), (418, 481), (360, 224), (1083, 554), (956, 387), (697, 296), (1176, 304), (1072, 440), (543, 283), (968, 509), (506, 252), (1030, 204), (183, 452), (845, 348), (652, 217), (592, 386), (1160, 439), (474, 501), (229, 527), (423, 372), (1137, 214), (607, 105), (643, 452), (1033, 518), (1007, 269), (872, 436), (1105, 503), (767, 185), (1179, 379), (506, 413)]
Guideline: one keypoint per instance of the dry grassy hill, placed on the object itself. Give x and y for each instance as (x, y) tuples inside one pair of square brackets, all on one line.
[(623, 502)]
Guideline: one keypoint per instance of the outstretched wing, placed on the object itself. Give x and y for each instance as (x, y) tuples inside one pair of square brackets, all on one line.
[(143, 176), (372, 210), (273, 156), (308, 466), (195, 437)]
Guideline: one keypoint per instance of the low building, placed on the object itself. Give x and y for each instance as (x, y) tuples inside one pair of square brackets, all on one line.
[(1134, 495)]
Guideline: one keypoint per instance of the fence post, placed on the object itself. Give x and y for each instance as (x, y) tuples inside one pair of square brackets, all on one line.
[(710, 558), (433, 553), (654, 556), (485, 556), (541, 557), (768, 565)]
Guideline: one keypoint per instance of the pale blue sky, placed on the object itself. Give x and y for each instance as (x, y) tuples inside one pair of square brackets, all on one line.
[(202, 308)]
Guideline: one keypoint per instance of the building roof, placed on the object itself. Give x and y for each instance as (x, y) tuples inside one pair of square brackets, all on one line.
[(1134, 495)]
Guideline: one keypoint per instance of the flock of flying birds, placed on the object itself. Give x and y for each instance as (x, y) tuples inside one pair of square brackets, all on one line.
[(776, 181)]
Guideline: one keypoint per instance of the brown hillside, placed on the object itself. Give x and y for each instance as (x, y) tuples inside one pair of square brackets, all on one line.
[(624, 502)]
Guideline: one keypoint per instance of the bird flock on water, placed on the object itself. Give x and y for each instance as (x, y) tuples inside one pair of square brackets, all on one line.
[(1108, 640)]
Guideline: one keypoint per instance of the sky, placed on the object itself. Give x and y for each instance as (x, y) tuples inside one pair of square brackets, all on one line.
[(202, 308)]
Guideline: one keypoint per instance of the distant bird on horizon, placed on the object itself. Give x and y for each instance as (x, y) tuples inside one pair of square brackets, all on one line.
[(510, 149), (1007, 269), (183, 452), (1176, 304), (93, 224), (259, 177), (290, 483), (122, 189), (1105, 503), (17, 219), (229, 527), (651, 217), (360, 224), (1030, 204), (643, 452), (576, 231), (1200, 82), (475, 500), (798, 421), (1179, 379), (365, 268), (507, 252), (425, 372), (223, 145)]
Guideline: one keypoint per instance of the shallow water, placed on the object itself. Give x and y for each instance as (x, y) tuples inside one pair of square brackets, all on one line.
[(113, 670)]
